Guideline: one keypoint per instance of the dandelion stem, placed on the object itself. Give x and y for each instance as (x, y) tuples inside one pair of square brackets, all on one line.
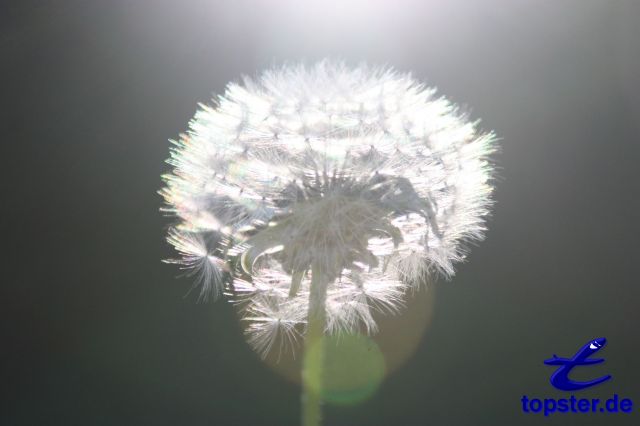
[(313, 362)]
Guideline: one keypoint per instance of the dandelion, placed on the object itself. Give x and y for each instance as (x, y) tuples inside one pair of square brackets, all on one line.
[(314, 196)]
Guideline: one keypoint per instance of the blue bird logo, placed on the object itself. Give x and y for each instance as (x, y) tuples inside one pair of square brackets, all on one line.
[(560, 378)]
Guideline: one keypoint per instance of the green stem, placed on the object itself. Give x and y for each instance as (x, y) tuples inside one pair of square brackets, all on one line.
[(313, 362)]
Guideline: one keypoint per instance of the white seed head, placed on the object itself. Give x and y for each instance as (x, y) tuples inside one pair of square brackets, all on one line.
[(363, 172)]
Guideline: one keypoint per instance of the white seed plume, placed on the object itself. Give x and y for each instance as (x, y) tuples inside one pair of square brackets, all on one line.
[(363, 172)]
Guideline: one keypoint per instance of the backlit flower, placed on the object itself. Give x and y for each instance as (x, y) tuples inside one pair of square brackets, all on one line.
[(362, 173)]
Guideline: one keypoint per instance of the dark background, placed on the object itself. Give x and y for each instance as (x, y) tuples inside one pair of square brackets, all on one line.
[(97, 331)]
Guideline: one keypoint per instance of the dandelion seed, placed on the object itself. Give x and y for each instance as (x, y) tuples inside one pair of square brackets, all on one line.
[(207, 269)]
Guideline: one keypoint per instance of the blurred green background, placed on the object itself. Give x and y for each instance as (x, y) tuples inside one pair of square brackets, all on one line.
[(97, 331)]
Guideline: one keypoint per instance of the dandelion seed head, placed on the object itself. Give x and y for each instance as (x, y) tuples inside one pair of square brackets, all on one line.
[(363, 171)]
